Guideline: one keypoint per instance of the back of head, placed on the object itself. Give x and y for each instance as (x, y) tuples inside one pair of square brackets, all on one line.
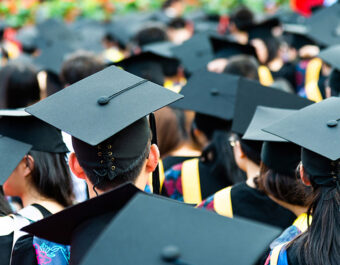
[(242, 17), (177, 23), (79, 65), (252, 150), (150, 34), (243, 65), (20, 84), (169, 3)]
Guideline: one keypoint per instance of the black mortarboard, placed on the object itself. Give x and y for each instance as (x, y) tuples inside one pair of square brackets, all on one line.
[(162, 48), (250, 94), (264, 116), (210, 94), (315, 128), (194, 53), (94, 111), (52, 57), (84, 222), (12, 152), (297, 35), (331, 56), (263, 29), (324, 26), (19, 125), (224, 48), (179, 235), (276, 153)]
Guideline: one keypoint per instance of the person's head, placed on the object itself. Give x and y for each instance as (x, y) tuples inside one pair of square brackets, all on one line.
[(173, 8), (42, 174), (241, 18), (20, 85), (170, 132), (150, 34), (267, 49), (204, 126), (321, 243), (179, 30), (278, 173), (79, 65), (243, 65), (245, 151), (128, 156)]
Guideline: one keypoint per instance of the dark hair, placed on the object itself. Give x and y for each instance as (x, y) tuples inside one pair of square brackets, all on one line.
[(177, 23), (209, 124), (53, 83), (242, 17), (79, 65), (4, 205), (51, 176), (20, 84), (150, 35), (220, 158), (168, 3), (284, 187), (243, 65), (320, 244), (130, 174), (273, 46), (334, 82), (252, 150), (169, 133)]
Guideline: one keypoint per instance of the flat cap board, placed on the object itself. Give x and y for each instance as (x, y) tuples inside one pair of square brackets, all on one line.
[(324, 26), (12, 152), (102, 104), (70, 218), (251, 94), (210, 93), (153, 230), (315, 128), (331, 56), (194, 53), (263, 117)]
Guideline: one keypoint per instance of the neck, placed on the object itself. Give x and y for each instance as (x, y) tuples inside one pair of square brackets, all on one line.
[(297, 210), (276, 64), (185, 150), (33, 197), (252, 170)]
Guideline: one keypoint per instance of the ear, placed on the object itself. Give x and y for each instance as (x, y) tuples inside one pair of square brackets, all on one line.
[(303, 176), (75, 167), (240, 152), (153, 159), (27, 165)]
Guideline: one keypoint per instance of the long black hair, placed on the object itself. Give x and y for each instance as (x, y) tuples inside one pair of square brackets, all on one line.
[(320, 244), (51, 177), (4, 205)]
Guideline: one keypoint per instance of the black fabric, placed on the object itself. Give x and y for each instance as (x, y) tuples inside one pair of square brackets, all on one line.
[(5, 248), (24, 252), (288, 72), (170, 161), (252, 204), (86, 233), (293, 258)]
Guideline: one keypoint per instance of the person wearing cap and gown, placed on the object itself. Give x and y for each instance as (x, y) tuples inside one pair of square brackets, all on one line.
[(246, 199), (113, 145), (319, 168), (192, 180), (41, 178)]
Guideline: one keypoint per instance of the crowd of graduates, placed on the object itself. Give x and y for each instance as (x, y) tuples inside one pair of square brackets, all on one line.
[(171, 138)]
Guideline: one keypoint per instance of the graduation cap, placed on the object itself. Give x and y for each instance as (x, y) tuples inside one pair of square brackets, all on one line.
[(224, 48), (194, 53), (297, 35), (250, 94), (52, 57), (210, 94), (12, 152), (21, 126), (106, 111), (162, 48), (262, 29), (314, 128), (277, 154), (179, 235), (83, 222), (324, 26), (331, 56)]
